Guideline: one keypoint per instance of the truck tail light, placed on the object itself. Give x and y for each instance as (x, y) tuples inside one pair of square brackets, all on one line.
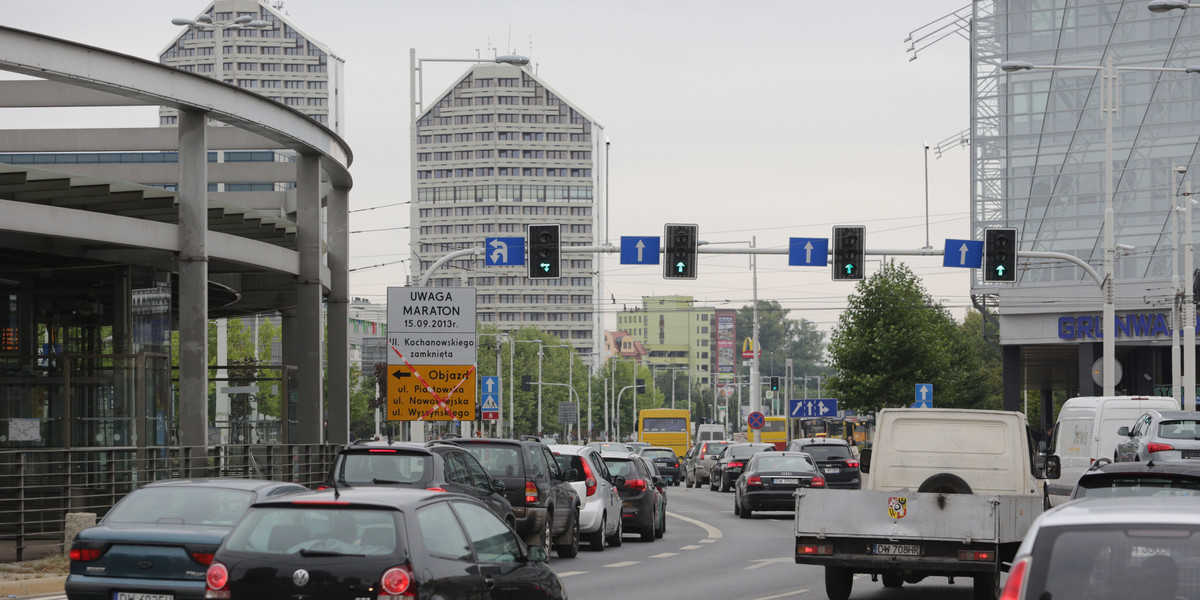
[(980, 555), (814, 549)]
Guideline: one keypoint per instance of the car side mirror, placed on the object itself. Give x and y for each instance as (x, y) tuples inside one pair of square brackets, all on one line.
[(497, 485), (618, 480), (1052, 468), (1042, 445), (1123, 430), (538, 554), (659, 482), (864, 460)]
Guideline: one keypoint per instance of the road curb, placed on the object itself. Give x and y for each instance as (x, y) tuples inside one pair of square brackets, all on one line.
[(32, 587)]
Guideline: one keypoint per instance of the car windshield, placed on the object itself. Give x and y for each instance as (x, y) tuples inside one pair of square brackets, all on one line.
[(782, 463), (1116, 485), (659, 454), (384, 466), (1116, 561), (499, 460), (711, 449), (187, 505), (827, 451), (1184, 429), (316, 531)]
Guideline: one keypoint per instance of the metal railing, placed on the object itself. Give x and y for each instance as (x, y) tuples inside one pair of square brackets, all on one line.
[(40, 486)]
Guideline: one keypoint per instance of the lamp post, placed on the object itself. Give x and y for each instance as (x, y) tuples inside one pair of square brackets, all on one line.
[(1108, 106), (205, 23)]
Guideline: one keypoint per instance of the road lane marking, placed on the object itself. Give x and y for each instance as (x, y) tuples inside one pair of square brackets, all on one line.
[(713, 532), (691, 547), (709, 541), (570, 573), (623, 564), (762, 562), (783, 595), (665, 555)]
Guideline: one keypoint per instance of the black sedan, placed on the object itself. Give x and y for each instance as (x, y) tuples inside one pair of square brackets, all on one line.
[(378, 543), (667, 462), (731, 461), (159, 539), (771, 478)]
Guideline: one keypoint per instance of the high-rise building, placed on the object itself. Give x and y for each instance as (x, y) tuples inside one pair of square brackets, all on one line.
[(497, 152), (1039, 165), (277, 60), (676, 334)]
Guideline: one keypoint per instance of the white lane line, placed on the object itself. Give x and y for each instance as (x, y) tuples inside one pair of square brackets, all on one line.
[(570, 573), (623, 564), (762, 562), (665, 555), (783, 595), (691, 547), (713, 532), (709, 541)]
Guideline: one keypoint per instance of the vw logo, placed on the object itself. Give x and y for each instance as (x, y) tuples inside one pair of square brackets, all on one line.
[(300, 578)]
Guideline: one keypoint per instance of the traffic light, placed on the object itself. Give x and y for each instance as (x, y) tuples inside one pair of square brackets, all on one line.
[(641, 384), (526, 383), (774, 384), (679, 256), (849, 251), (543, 252), (1000, 254)]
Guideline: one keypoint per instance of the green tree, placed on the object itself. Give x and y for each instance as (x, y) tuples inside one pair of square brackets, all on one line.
[(781, 337), (893, 336)]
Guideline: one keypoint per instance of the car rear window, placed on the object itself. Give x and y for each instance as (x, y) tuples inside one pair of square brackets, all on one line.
[(1185, 429), (499, 460), (653, 454), (827, 451), (1116, 561), (782, 463), (712, 449), (316, 528), (384, 466), (182, 505), (623, 467), (744, 451), (1113, 486), (566, 462)]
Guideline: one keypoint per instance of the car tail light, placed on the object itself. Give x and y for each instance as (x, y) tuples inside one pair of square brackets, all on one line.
[(381, 451), (852, 464), (436, 489), (322, 487), (204, 558), (814, 549), (982, 555), (86, 554), (531, 492), (1016, 580), (397, 581), (321, 502), (636, 484), (735, 465), (817, 481), (589, 479), (1153, 447), (216, 581), (754, 480)]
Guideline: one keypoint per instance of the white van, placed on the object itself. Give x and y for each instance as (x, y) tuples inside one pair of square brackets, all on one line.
[(1087, 430), (709, 431)]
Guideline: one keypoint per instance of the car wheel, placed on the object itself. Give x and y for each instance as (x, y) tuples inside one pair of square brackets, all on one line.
[(737, 506), (616, 540), (596, 539), (661, 529), (724, 484), (892, 580), (648, 528), (742, 511), (838, 582), (546, 538), (712, 483), (571, 548)]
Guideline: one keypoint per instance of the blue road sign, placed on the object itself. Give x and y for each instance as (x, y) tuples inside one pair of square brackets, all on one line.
[(639, 250), (808, 252), (490, 390), (967, 254), (812, 407), (756, 420), (924, 398), (504, 251)]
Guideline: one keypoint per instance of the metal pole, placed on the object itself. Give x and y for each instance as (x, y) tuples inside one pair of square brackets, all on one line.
[(512, 398), (1189, 308), (927, 246), (539, 427), (1109, 329), (755, 384), (1176, 321), (673, 371)]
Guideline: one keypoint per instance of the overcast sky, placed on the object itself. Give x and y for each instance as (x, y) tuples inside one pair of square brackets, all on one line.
[(770, 119)]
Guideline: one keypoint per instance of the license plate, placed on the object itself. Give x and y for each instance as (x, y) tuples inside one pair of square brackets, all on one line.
[(141, 596), (832, 469), (1191, 454), (786, 481), (898, 549)]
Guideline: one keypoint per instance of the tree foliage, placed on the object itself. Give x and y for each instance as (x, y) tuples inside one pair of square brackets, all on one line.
[(893, 336), (780, 338)]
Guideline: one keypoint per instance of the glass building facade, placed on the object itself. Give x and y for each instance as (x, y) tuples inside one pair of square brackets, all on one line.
[(1039, 149)]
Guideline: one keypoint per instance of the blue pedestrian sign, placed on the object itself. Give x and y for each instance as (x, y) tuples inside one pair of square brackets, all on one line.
[(637, 250), (504, 251), (808, 252), (803, 408), (967, 254), (924, 397)]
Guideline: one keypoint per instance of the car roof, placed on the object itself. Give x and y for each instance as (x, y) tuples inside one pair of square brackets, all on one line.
[(238, 483), (658, 448), (1175, 414), (506, 441), (1181, 467), (375, 445), (389, 497), (570, 449), (1180, 510), (819, 441), (620, 455)]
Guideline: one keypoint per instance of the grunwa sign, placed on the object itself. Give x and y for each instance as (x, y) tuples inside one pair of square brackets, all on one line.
[(1143, 325)]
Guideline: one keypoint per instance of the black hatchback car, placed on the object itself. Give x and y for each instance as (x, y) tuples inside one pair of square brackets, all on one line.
[(667, 462), (643, 506), (377, 543), (545, 504), (770, 479), (731, 461), (1154, 478), (435, 466), (835, 459)]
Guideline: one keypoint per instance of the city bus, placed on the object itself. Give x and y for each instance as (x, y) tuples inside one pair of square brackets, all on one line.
[(668, 427), (774, 431), (851, 430)]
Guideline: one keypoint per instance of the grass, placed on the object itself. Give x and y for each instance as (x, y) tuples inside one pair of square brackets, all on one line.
[(49, 566)]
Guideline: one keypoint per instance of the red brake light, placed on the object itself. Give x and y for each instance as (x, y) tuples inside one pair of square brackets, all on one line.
[(635, 484), (396, 582), (982, 555), (1016, 579), (736, 464), (818, 481), (820, 549), (436, 489), (754, 480), (381, 450), (1153, 447), (852, 464), (216, 579), (322, 487), (204, 558), (531, 492), (85, 554), (589, 479)]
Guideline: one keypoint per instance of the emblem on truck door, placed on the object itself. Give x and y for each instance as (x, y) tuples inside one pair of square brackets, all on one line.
[(897, 507)]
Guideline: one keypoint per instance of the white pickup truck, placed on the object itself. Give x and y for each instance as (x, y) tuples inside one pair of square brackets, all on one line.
[(950, 492)]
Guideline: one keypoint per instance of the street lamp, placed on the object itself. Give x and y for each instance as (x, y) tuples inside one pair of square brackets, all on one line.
[(1162, 6), (1108, 107), (205, 23)]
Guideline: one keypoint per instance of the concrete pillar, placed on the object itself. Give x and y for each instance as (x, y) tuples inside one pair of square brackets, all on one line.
[(1088, 353), (1011, 375), (1047, 416), (193, 284), (289, 328), (338, 343), (309, 298)]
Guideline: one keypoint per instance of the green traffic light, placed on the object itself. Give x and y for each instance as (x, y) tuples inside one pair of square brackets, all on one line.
[(679, 267), (545, 267), (849, 268), (1000, 270)]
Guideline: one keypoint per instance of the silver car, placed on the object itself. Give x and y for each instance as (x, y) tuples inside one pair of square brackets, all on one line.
[(1160, 435), (600, 513), (699, 461), (1136, 547)]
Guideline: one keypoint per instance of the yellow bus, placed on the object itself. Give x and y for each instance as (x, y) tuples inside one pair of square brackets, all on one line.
[(668, 427), (774, 431)]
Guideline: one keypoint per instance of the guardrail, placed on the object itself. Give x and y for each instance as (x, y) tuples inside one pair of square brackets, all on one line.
[(42, 485)]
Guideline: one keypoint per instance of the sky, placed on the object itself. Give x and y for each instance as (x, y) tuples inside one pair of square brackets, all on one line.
[(761, 120)]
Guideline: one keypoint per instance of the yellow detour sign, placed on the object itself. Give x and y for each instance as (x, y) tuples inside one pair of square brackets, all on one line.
[(431, 393)]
